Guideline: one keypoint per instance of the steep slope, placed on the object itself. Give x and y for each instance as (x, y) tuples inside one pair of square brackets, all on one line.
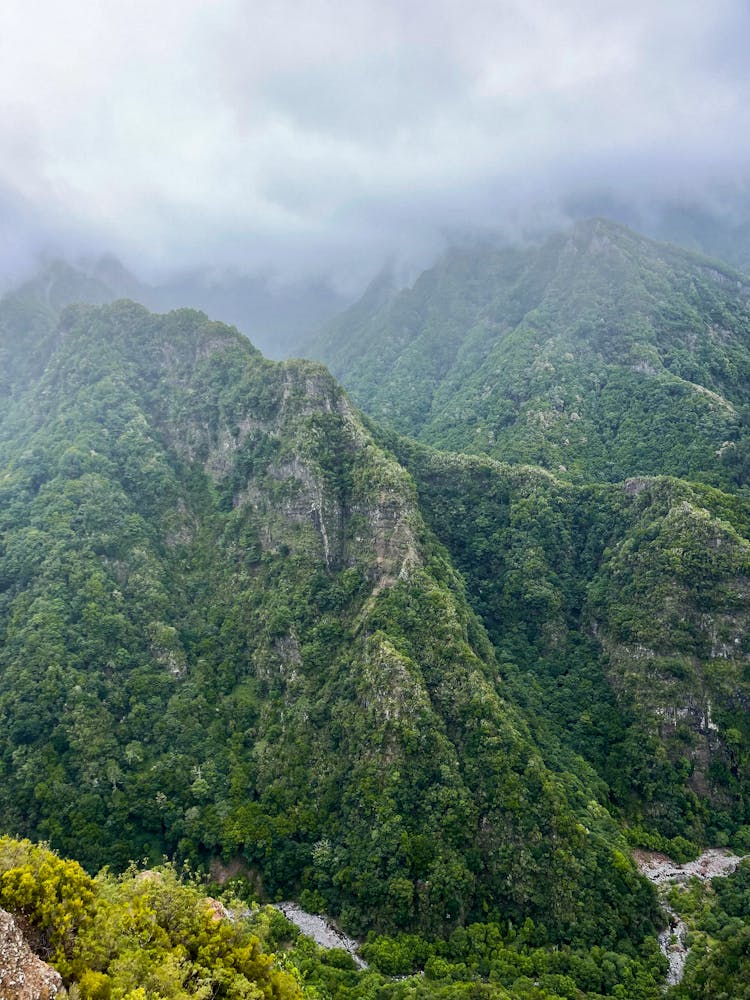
[(627, 611), (598, 355), (225, 631)]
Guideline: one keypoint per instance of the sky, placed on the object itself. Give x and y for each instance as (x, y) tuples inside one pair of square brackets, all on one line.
[(322, 137)]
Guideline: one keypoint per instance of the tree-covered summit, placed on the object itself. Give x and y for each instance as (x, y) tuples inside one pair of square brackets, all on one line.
[(599, 354)]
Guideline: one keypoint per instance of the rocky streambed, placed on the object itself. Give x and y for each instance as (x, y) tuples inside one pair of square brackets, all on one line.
[(658, 868), (322, 931), (663, 872)]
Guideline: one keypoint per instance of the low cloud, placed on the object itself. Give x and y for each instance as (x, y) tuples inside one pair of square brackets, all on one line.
[(324, 136)]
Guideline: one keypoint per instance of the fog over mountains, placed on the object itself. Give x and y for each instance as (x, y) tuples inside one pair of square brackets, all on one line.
[(431, 692), (375, 498), (276, 317), (320, 141), (266, 165)]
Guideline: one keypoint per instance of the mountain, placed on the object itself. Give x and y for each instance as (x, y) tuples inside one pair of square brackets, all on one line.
[(434, 694), (620, 607), (712, 223), (275, 315), (600, 355), (625, 612), (226, 632)]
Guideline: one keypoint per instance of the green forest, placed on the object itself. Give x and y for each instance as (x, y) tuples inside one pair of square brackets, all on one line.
[(598, 355), (434, 671)]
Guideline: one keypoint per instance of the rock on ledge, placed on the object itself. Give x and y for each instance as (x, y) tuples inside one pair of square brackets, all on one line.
[(23, 976)]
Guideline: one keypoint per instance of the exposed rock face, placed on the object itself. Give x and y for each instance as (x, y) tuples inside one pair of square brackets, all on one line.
[(23, 976)]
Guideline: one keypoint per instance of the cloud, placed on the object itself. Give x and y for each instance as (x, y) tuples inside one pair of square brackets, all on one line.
[(322, 134)]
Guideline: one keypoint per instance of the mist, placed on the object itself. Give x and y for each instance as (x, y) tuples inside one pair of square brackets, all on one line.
[(312, 142)]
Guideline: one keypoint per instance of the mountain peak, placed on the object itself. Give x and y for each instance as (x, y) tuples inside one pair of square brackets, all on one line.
[(555, 354)]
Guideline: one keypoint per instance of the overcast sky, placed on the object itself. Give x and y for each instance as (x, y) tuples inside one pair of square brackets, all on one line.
[(327, 135)]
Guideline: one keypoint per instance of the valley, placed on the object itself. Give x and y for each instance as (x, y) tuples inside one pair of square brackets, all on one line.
[(442, 669)]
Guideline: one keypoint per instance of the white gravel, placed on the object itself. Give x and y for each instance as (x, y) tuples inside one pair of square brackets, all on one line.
[(322, 931), (662, 871)]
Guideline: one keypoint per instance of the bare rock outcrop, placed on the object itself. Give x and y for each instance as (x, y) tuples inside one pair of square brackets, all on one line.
[(23, 976)]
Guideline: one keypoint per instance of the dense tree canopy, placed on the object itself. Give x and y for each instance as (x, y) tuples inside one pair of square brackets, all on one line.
[(227, 632), (436, 695), (599, 355)]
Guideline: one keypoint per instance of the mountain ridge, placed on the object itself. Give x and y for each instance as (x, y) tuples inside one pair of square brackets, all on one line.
[(636, 593), (437, 695), (335, 689), (600, 354)]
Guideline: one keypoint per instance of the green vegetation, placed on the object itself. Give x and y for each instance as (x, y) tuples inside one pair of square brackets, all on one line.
[(155, 935), (142, 935), (718, 918), (435, 695), (227, 633), (599, 355), (620, 616)]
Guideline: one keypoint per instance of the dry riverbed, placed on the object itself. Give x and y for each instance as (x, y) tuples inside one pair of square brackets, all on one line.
[(322, 931), (658, 868), (663, 872)]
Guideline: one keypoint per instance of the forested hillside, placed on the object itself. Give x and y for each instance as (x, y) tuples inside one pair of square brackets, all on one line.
[(625, 611), (226, 631), (599, 355), (436, 695)]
